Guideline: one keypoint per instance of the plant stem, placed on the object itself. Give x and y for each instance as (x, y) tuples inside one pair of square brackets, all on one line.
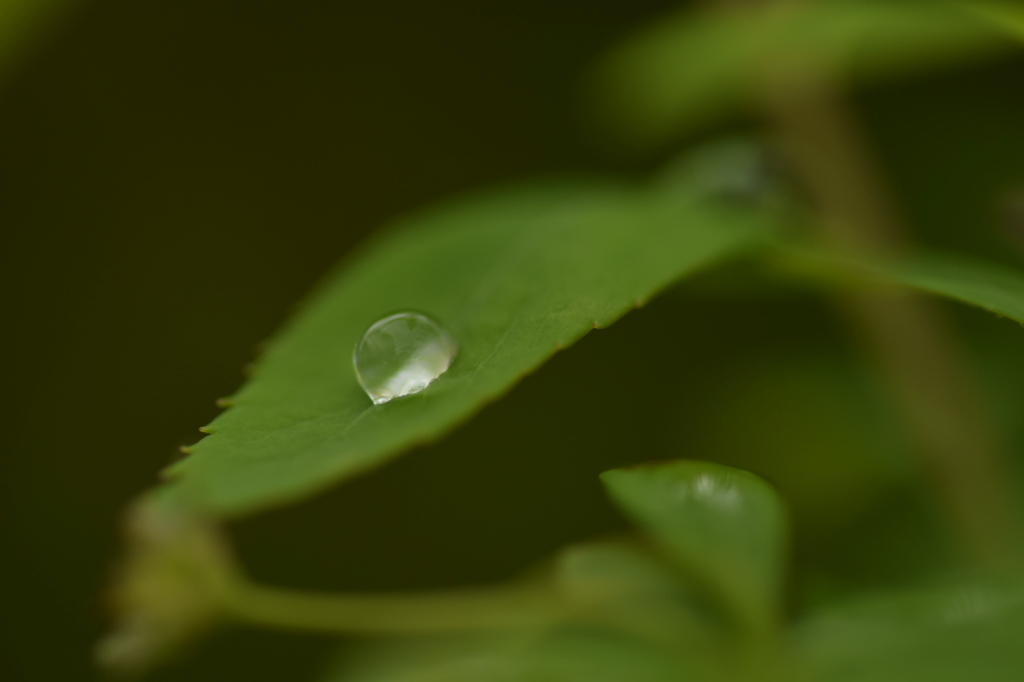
[(492, 608), (906, 334)]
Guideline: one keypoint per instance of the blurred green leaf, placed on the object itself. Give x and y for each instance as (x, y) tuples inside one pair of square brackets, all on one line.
[(1007, 15), (174, 584), (24, 21), (635, 620), (815, 422), (991, 286), (515, 275), (629, 587), (724, 526), (693, 67), (560, 655), (971, 632)]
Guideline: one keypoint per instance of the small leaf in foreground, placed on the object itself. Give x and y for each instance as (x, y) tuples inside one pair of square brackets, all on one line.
[(725, 527)]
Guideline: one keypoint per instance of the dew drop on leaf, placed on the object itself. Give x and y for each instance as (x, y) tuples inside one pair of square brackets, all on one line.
[(402, 354)]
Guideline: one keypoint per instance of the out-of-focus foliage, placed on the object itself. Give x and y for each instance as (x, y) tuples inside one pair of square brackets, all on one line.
[(986, 285), (684, 505), (850, 450), (1008, 15), (947, 633), (556, 656), (174, 584), (23, 22), (989, 286), (742, 364), (691, 68), (723, 526), (518, 274)]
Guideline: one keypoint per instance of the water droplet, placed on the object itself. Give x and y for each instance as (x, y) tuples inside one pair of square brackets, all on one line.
[(402, 354)]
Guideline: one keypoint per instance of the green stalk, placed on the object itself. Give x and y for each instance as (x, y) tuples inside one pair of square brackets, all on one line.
[(905, 334)]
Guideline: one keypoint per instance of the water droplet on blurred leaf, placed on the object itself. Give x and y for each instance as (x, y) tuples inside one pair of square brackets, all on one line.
[(738, 171), (402, 354)]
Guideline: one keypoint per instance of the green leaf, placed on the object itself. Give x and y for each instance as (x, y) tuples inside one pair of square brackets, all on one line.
[(1008, 16), (561, 655), (972, 632), (991, 286), (630, 588), (634, 619), (515, 275), (22, 22), (814, 421), (693, 67), (724, 526)]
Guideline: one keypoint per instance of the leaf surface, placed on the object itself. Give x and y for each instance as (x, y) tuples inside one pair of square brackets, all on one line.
[(724, 526), (515, 275)]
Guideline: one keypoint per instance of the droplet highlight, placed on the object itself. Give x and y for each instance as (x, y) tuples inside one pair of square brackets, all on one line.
[(739, 171), (402, 354)]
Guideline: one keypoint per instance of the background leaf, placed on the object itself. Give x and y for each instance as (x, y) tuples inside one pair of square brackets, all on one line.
[(994, 287), (559, 655), (630, 588), (990, 286), (941, 635), (1008, 15), (695, 66), (24, 21), (724, 526), (515, 275), (812, 420)]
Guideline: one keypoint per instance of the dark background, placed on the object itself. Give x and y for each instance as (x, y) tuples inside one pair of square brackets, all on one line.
[(175, 174)]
